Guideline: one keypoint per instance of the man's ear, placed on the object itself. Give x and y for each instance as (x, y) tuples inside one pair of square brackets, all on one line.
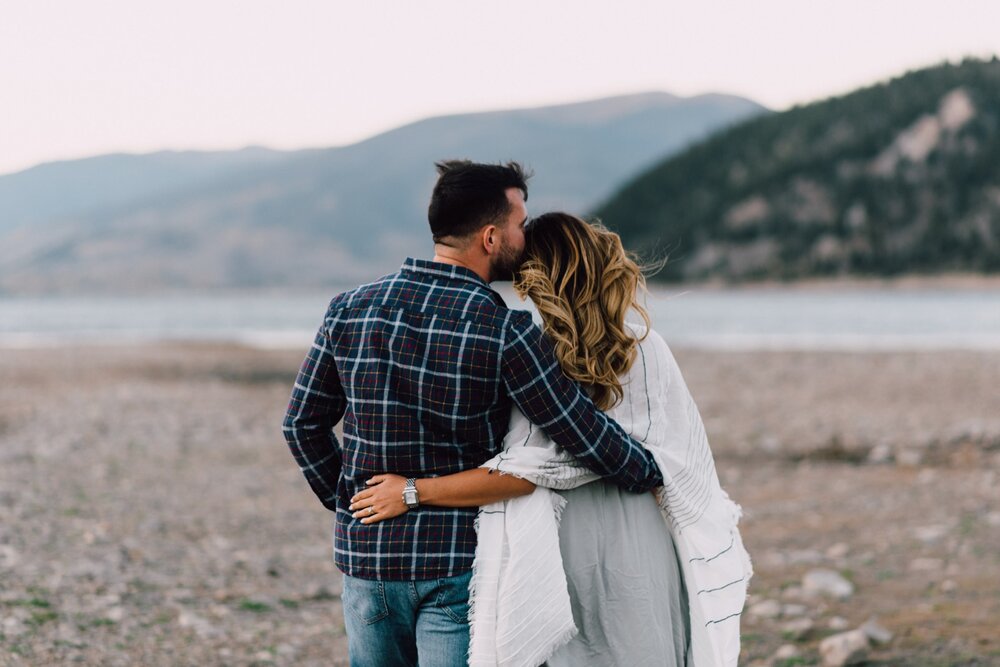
[(489, 236)]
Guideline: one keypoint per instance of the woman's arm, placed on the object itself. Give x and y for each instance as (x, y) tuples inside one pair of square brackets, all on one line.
[(383, 499)]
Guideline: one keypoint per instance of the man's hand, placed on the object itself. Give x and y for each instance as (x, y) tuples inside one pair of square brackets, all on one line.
[(383, 499)]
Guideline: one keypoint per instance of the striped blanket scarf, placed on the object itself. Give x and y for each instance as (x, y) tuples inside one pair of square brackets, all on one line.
[(520, 608)]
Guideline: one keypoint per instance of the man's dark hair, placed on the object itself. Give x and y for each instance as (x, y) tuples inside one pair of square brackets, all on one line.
[(470, 195)]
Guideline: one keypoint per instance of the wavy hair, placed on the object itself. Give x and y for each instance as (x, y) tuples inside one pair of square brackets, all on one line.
[(583, 282)]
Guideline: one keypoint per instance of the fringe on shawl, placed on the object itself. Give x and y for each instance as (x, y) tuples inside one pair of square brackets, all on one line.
[(737, 510), (558, 505), (473, 585), (560, 641)]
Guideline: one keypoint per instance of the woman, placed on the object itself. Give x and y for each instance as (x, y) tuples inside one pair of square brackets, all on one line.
[(577, 571)]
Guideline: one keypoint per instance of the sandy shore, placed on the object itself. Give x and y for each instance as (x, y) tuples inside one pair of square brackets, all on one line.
[(151, 514)]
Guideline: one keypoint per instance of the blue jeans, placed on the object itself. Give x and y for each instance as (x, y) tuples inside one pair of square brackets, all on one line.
[(406, 623)]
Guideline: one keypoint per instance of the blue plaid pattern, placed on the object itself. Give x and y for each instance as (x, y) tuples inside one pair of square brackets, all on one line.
[(423, 366)]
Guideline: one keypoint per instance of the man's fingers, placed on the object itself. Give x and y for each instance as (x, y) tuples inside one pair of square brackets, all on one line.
[(377, 479)]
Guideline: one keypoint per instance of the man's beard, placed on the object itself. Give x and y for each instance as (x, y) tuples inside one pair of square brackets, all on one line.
[(507, 263)]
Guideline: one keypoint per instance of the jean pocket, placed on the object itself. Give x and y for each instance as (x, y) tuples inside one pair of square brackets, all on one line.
[(453, 598), (364, 599)]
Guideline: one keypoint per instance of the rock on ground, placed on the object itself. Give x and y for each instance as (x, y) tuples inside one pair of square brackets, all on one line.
[(847, 648)]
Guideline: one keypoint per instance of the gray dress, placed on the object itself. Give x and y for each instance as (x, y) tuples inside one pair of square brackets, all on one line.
[(625, 584)]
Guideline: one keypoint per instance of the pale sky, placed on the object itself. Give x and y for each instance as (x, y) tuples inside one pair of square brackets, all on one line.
[(80, 78)]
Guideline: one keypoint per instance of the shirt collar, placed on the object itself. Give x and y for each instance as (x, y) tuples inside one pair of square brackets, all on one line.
[(443, 270), (450, 271)]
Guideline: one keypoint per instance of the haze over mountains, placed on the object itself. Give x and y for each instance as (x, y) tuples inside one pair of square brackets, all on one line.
[(258, 218)]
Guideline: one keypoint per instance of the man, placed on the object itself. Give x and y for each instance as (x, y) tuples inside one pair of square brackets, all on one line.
[(424, 365)]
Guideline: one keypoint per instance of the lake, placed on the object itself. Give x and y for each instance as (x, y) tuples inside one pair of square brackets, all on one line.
[(759, 318)]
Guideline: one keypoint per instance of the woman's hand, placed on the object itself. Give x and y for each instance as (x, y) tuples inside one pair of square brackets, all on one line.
[(383, 499)]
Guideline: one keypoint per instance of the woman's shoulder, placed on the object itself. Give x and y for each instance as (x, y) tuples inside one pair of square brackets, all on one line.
[(658, 361), (637, 329), (649, 339)]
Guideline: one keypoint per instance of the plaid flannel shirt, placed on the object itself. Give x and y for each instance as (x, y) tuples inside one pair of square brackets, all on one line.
[(423, 366)]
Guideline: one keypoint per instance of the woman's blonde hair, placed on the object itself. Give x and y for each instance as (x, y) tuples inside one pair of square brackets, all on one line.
[(583, 282)]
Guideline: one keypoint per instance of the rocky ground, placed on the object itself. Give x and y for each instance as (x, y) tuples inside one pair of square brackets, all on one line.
[(151, 515)]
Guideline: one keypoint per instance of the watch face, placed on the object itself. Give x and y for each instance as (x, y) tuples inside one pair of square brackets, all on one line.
[(410, 493)]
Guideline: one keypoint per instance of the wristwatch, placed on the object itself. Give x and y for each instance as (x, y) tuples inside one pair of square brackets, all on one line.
[(410, 496)]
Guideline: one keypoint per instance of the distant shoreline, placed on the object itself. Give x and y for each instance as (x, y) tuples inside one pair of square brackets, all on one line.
[(949, 281)]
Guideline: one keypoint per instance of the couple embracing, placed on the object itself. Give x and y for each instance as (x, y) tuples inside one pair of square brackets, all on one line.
[(506, 494)]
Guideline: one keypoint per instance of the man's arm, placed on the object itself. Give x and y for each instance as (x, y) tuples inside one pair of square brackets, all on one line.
[(551, 400), (317, 404)]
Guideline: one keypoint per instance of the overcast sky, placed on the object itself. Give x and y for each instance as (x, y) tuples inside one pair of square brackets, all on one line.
[(83, 78)]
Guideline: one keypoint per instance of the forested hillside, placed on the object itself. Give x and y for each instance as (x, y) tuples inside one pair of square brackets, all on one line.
[(903, 176)]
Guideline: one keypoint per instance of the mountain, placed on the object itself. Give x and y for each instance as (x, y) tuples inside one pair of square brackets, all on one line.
[(903, 176), (56, 189), (258, 218)]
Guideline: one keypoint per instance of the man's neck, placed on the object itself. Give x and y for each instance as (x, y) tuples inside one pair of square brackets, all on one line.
[(446, 255)]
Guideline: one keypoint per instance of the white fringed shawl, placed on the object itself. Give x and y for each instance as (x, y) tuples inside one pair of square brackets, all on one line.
[(521, 613)]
